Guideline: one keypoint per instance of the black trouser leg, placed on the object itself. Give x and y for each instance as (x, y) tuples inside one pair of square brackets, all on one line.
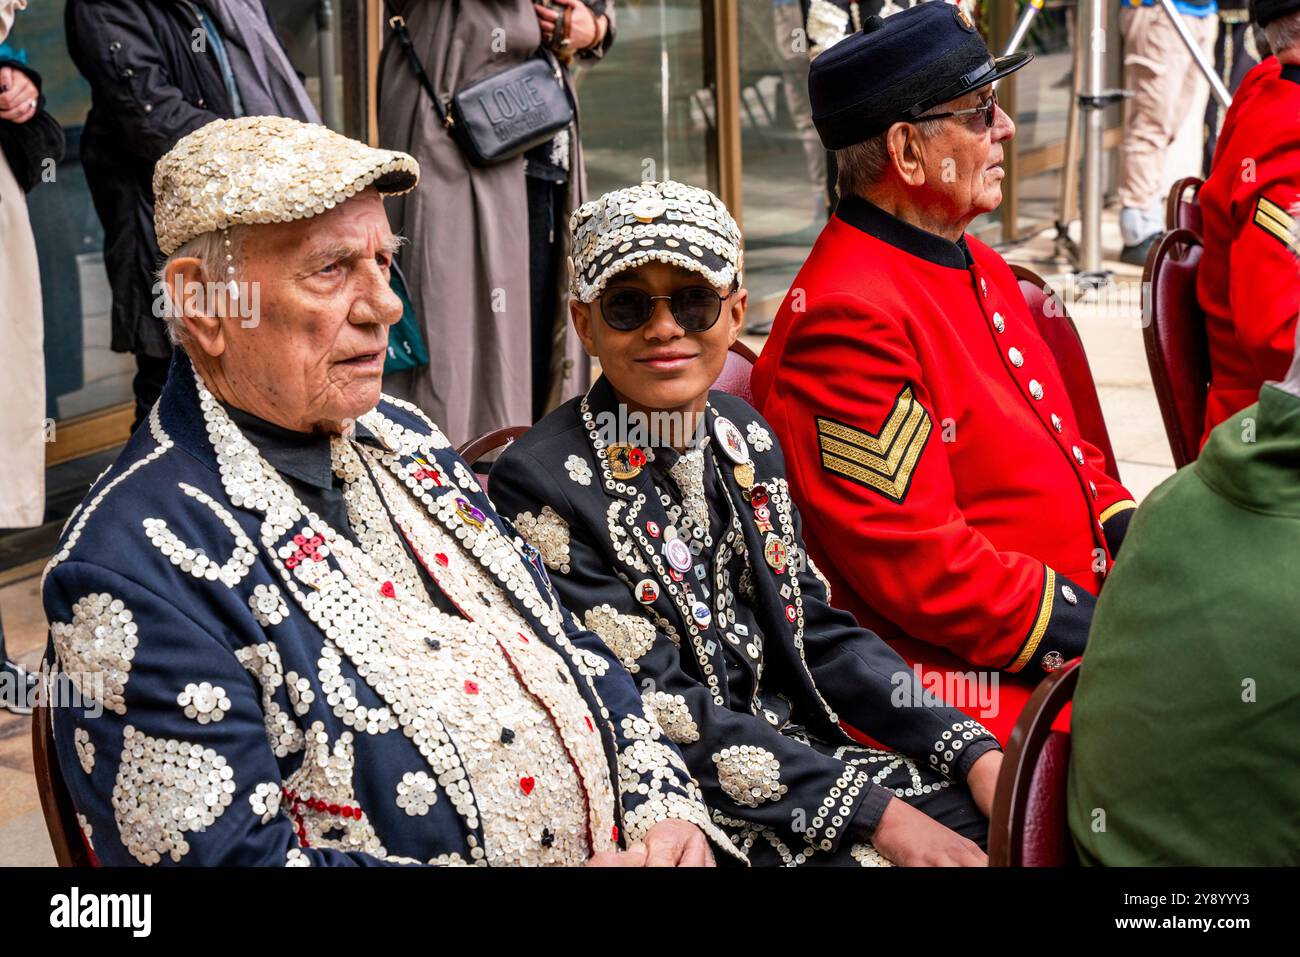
[(150, 377), (545, 220)]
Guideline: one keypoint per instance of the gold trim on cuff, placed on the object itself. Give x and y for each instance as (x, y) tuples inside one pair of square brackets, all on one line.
[(1115, 508), (1040, 624)]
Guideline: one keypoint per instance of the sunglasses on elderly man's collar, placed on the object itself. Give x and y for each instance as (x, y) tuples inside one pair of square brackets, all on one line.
[(989, 109), (695, 308)]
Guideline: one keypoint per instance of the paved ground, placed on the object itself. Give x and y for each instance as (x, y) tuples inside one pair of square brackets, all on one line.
[(1111, 332)]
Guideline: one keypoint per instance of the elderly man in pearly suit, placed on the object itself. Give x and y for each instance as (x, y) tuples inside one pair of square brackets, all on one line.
[(300, 632)]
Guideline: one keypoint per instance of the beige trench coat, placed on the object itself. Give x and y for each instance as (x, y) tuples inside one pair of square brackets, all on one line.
[(467, 262), (22, 385)]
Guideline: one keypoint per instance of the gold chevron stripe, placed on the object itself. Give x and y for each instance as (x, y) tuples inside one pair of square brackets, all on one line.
[(892, 488), (1277, 222), (1272, 209), (880, 442), (854, 452), (844, 449), (1040, 623)]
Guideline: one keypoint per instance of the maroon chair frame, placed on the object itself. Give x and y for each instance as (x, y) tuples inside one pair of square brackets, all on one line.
[(1029, 825), (1183, 205), (61, 822), (1173, 329)]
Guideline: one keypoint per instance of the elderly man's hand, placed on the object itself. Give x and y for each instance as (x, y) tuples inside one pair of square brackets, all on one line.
[(673, 843), (18, 95), (634, 856), (670, 843)]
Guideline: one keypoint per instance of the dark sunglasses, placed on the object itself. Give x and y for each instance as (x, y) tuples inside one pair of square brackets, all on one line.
[(989, 110), (696, 308)]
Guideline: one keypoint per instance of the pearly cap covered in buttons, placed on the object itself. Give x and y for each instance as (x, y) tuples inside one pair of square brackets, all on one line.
[(265, 169), (666, 222)]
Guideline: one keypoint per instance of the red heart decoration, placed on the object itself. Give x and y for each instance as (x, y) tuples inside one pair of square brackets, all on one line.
[(387, 590), (441, 559), (526, 785), (471, 687), (614, 834)]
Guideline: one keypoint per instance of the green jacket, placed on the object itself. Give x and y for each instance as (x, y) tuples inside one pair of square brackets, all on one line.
[(1186, 724)]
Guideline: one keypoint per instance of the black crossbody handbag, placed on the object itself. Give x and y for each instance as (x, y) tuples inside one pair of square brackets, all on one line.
[(502, 115)]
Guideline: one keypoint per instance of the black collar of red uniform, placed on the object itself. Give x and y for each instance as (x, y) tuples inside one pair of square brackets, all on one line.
[(1291, 71), (874, 221)]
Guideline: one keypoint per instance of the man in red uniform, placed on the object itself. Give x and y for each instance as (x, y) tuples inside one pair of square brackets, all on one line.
[(946, 490), (1247, 281)]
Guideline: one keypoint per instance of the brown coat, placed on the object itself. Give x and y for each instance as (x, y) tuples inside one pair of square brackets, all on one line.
[(467, 262)]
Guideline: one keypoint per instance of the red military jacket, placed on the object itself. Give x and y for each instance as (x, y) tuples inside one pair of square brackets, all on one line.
[(1248, 281), (932, 448)]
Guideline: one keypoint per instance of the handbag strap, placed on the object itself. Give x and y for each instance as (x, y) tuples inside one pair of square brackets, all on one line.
[(398, 25)]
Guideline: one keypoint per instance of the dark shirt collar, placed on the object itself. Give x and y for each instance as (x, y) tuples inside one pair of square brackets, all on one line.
[(874, 221), (301, 455), (1291, 71)]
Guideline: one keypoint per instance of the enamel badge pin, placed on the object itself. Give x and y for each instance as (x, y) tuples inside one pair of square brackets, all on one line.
[(625, 461)]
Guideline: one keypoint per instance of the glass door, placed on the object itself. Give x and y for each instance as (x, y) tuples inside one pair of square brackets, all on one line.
[(646, 112)]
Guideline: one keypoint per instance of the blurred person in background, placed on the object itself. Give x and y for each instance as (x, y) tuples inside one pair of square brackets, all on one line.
[(1247, 282), (1237, 51), (486, 267), (28, 137), (1166, 85), (159, 69)]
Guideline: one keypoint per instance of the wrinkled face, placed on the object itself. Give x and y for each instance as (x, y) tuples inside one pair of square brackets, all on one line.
[(963, 162), (660, 366), (315, 358)]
